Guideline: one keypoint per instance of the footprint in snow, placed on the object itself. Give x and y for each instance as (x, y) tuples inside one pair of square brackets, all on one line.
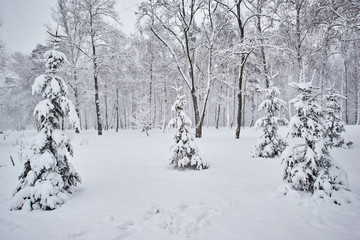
[(184, 219)]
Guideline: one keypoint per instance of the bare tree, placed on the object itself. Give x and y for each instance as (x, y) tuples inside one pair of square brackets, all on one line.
[(92, 14), (66, 15), (179, 38), (235, 9)]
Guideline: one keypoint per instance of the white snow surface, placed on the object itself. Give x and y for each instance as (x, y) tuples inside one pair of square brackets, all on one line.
[(128, 191)]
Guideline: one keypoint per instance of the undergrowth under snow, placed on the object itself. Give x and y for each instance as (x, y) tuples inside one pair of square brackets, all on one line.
[(130, 192)]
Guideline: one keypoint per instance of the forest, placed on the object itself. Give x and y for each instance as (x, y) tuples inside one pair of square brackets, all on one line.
[(220, 53), (178, 104)]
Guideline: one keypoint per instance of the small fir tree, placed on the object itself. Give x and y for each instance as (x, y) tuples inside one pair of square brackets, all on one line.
[(270, 143), (308, 165), (334, 123), (251, 93), (184, 152), (143, 119), (48, 176)]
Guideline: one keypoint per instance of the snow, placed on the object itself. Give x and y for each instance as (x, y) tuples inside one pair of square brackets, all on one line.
[(301, 85), (130, 192), (55, 86), (53, 59), (39, 83), (43, 109)]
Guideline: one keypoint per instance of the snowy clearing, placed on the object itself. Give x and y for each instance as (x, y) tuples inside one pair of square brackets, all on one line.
[(130, 192)]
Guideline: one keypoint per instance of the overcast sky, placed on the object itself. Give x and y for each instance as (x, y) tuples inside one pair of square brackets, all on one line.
[(23, 21)]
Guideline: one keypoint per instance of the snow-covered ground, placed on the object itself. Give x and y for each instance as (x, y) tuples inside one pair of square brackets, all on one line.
[(130, 192)]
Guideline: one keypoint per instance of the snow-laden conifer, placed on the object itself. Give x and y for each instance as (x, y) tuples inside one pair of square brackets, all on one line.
[(184, 152), (143, 119), (307, 163), (270, 143), (48, 176), (335, 126)]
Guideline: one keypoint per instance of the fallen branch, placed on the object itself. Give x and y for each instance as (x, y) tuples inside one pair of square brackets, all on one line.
[(12, 161)]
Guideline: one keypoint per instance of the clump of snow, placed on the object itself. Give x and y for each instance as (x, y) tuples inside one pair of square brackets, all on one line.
[(184, 152), (39, 84)]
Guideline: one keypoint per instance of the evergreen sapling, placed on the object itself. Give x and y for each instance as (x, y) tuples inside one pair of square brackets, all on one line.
[(184, 152), (308, 166), (270, 143), (335, 126), (48, 177), (143, 117)]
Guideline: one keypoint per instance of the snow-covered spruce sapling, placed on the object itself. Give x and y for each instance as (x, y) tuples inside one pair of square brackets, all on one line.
[(143, 117), (308, 166), (335, 126), (270, 143), (184, 152), (48, 176)]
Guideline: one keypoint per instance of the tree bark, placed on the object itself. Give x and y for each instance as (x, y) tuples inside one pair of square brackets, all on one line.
[(106, 109), (198, 126), (76, 95), (346, 92), (262, 49), (298, 6), (77, 108), (86, 119), (241, 70), (240, 96), (234, 102), (165, 108), (217, 116), (117, 109), (95, 76), (151, 86)]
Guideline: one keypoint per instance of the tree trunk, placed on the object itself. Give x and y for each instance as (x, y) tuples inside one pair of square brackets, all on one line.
[(126, 121), (357, 83), (155, 111), (241, 70), (151, 90), (238, 119), (298, 38), (358, 107), (86, 119), (106, 109), (262, 49), (346, 92), (240, 96), (234, 102), (77, 108), (95, 76), (165, 108), (253, 110), (209, 79), (117, 109), (217, 116), (244, 105), (228, 116), (77, 101), (198, 125)]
